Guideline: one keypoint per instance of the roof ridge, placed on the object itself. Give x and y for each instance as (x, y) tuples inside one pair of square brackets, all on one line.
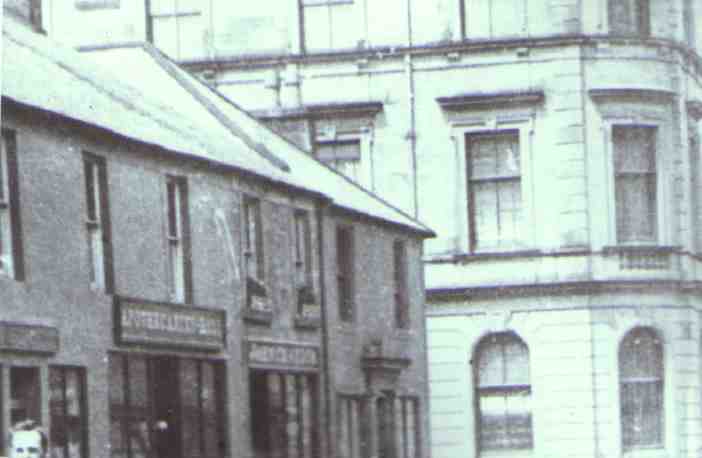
[(167, 65)]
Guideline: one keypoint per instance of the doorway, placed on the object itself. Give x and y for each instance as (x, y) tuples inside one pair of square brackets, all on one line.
[(166, 408)]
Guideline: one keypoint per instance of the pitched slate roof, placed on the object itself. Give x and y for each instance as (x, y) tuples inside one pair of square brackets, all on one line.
[(156, 102)]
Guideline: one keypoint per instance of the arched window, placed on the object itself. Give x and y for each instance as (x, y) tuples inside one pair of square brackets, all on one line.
[(629, 17), (641, 389), (503, 393)]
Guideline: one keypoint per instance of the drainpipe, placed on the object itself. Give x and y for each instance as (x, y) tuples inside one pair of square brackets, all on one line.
[(412, 135), (327, 417)]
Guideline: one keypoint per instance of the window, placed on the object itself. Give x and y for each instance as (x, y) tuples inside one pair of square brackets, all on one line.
[(178, 236), (11, 262), (494, 190), (503, 393), (284, 420), (399, 256), (641, 389), (635, 183), (253, 239), (344, 272), (407, 420), (67, 406), (25, 395), (165, 407), (97, 223), (494, 18), (330, 24), (303, 260), (344, 156), (352, 427), (629, 17), (176, 27), (689, 18)]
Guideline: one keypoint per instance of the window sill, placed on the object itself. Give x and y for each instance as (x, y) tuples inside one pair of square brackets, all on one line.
[(645, 452), (507, 454), (642, 248), (259, 317)]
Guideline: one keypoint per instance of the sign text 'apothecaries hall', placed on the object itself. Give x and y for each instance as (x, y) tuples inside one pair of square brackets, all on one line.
[(165, 324)]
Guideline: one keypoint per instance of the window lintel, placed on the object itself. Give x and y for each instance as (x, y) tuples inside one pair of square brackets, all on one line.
[(479, 100)]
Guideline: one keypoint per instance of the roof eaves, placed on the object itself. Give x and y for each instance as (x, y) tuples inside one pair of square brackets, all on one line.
[(171, 67)]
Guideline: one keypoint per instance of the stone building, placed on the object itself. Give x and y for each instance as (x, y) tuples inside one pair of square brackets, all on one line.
[(555, 147), (177, 280)]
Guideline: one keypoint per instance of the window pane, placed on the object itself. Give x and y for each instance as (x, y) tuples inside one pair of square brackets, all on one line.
[(345, 25), (634, 149), (516, 357), (509, 196), (641, 356), (491, 368), (636, 208), (165, 32), (485, 218), (483, 157), (508, 17), (317, 28), (493, 422), (508, 156), (620, 17), (642, 414)]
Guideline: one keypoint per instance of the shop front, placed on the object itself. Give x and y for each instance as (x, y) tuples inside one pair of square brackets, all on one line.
[(167, 382), (284, 399)]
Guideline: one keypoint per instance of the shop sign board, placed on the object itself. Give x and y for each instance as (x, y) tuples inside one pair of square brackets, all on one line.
[(161, 324), (29, 338), (273, 354)]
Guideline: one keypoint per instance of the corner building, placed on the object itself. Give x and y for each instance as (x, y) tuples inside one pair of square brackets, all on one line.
[(176, 280), (555, 147)]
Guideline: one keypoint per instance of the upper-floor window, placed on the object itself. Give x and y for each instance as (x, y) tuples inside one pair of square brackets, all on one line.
[(690, 23), (402, 309), (11, 263), (494, 190), (344, 272), (493, 18), (178, 236), (253, 239), (303, 259), (629, 17), (503, 393), (635, 183), (330, 24), (97, 222), (342, 155), (641, 389), (177, 28)]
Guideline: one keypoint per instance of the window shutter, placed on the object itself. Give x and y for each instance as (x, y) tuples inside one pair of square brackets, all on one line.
[(106, 228), (186, 240)]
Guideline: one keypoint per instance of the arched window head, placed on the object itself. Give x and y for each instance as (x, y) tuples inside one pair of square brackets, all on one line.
[(629, 17), (641, 389), (503, 393)]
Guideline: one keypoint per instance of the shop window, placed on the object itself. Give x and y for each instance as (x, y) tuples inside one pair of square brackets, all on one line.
[(353, 437), (408, 429), (303, 260), (178, 237), (330, 24), (164, 407), (629, 17), (635, 183), (25, 395), (494, 190), (344, 272), (641, 389), (176, 28), (11, 262), (67, 405), (402, 306), (284, 420), (503, 393), (97, 223)]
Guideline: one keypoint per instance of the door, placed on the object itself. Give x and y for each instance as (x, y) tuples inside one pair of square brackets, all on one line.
[(166, 408)]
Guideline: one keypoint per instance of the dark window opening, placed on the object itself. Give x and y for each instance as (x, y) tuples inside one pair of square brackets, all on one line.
[(344, 272)]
